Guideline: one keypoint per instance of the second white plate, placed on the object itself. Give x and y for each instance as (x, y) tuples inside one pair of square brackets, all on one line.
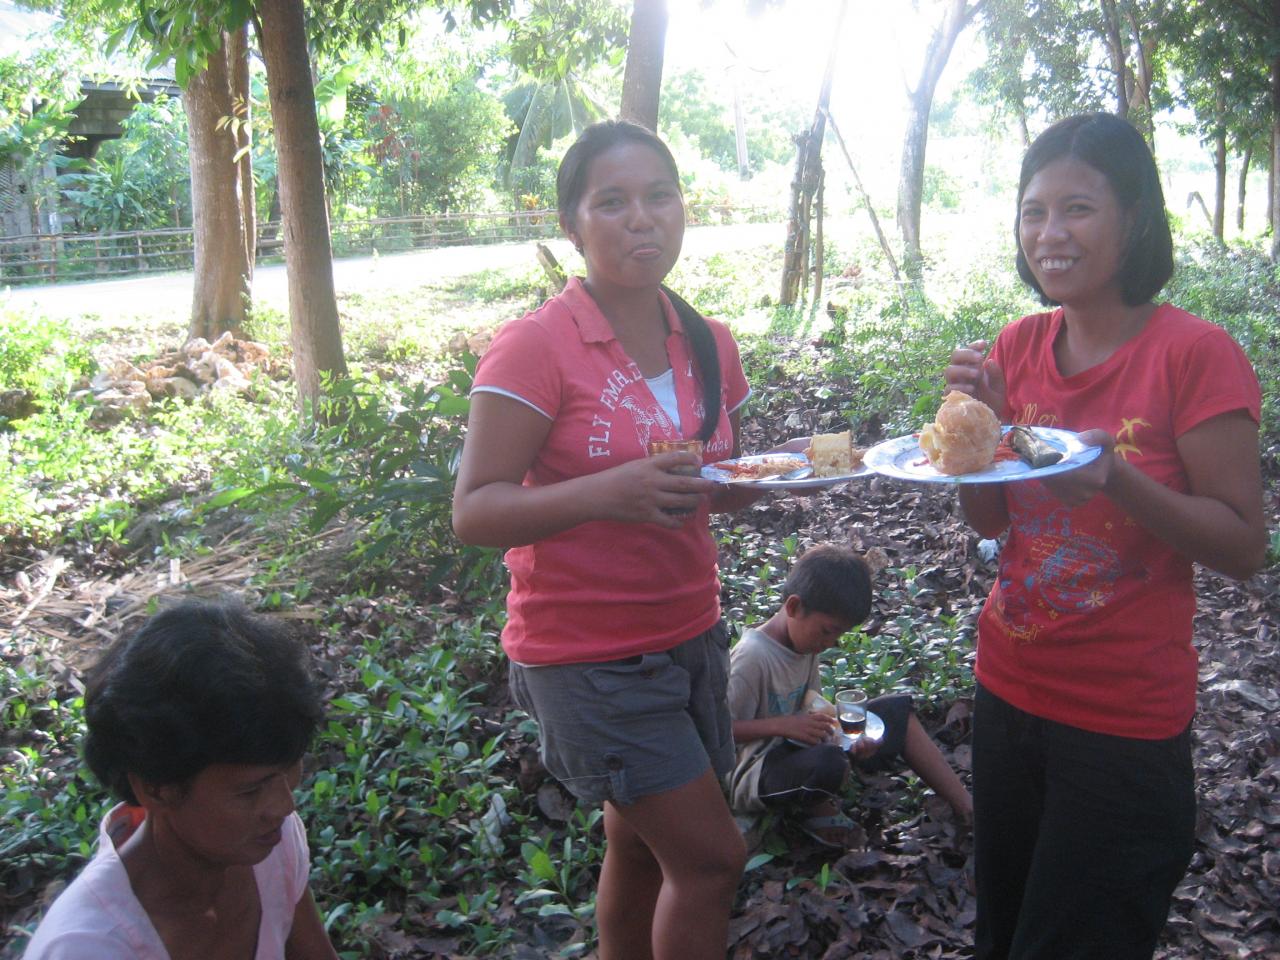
[(903, 458)]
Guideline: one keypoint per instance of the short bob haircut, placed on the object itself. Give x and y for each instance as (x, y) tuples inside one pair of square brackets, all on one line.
[(1116, 150), (833, 580), (200, 683)]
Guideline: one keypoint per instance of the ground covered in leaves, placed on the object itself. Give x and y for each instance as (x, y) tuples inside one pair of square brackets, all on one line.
[(906, 892), (905, 889)]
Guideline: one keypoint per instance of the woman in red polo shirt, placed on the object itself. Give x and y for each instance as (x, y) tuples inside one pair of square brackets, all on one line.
[(1084, 794), (614, 631)]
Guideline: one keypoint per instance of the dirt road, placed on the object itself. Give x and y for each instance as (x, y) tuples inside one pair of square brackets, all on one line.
[(171, 292)]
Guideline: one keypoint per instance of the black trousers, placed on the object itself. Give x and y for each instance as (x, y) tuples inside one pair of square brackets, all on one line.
[(1079, 838)]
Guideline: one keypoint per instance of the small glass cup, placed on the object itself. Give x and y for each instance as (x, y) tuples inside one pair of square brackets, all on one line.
[(851, 712), (678, 446)]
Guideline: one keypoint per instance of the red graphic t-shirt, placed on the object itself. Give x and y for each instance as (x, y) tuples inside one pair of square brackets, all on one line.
[(1090, 620), (606, 590)]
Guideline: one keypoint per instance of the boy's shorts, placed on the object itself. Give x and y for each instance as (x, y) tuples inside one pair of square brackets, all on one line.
[(894, 710), (620, 730)]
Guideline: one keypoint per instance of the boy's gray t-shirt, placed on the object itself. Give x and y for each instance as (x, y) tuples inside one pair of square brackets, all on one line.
[(766, 679)]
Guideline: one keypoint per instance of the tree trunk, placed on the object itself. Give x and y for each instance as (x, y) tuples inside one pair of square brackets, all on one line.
[(1245, 162), (739, 125), (1220, 166), (642, 79), (819, 248), (1195, 197), (1115, 50), (1273, 203), (220, 298), (238, 73), (1143, 77), (808, 177), (313, 309), (915, 139)]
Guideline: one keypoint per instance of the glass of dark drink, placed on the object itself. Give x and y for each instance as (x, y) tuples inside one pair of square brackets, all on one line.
[(851, 711), (678, 446)]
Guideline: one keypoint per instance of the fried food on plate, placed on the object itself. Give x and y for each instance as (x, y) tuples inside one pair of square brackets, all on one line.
[(963, 436), (760, 469)]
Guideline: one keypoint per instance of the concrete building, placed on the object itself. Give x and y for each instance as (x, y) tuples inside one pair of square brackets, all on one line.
[(28, 181)]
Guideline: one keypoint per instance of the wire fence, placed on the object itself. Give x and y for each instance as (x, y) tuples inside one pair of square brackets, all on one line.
[(68, 257)]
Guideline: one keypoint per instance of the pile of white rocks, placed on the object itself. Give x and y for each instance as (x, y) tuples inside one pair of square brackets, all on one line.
[(198, 366)]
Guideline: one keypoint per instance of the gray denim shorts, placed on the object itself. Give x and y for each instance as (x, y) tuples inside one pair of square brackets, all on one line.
[(624, 729)]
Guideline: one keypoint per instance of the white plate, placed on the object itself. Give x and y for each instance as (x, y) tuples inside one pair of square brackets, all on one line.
[(712, 472), (874, 731), (903, 458)]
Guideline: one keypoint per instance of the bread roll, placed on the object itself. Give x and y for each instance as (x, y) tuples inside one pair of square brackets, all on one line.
[(963, 436)]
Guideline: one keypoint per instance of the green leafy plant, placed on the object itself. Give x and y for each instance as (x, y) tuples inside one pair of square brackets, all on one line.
[(39, 354), (49, 804), (386, 459), (926, 654)]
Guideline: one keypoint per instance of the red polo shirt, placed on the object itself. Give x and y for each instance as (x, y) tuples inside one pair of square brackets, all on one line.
[(605, 590)]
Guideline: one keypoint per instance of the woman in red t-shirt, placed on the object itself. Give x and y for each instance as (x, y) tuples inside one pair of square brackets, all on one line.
[(1084, 794), (614, 634)]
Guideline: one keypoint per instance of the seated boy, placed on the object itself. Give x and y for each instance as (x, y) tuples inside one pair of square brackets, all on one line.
[(785, 759)]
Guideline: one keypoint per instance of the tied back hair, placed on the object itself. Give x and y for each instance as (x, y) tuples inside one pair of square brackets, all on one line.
[(571, 181)]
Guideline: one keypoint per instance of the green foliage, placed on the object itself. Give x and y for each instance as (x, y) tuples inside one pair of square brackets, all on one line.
[(689, 109), (930, 656), (752, 567), (41, 355), (940, 188), (407, 802), (437, 155), (554, 39), (142, 180), (1239, 288), (65, 476), (38, 89), (48, 803), (388, 460), (499, 286), (892, 343)]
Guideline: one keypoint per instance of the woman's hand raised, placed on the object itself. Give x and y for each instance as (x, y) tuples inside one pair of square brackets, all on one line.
[(980, 378)]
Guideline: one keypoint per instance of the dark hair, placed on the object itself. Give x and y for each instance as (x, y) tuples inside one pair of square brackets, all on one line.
[(833, 580), (1116, 150), (571, 181), (200, 683)]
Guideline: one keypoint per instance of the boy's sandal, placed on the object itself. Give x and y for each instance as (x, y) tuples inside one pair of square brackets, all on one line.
[(813, 828)]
